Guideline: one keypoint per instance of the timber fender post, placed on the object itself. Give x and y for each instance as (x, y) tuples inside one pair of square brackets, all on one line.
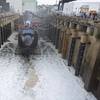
[(83, 42), (72, 43)]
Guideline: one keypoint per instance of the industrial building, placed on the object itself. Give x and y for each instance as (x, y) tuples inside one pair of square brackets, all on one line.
[(29, 5), (76, 6), (21, 6), (4, 6)]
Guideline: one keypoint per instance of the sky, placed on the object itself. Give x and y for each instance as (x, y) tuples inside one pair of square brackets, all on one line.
[(51, 2), (88, 0), (47, 2), (54, 1)]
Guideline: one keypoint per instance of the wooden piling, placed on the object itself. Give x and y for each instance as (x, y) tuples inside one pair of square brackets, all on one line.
[(72, 43), (0, 38), (80, 56), (81, 47)]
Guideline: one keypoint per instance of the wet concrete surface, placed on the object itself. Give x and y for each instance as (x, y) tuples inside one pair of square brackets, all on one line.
[(32, 79), (41, 77)]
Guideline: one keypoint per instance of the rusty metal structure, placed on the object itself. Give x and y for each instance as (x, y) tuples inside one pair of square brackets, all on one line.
[(61, 3), (78, 41)]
